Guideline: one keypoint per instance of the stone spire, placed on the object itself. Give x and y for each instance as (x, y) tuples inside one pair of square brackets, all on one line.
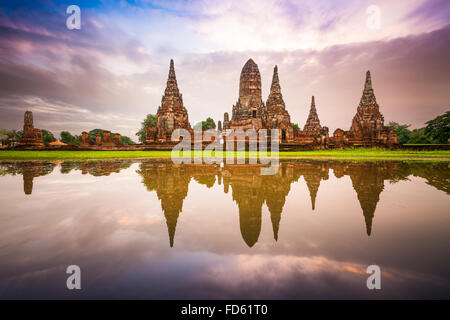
[(250, 87), (31, 136), (275, 98), (313, 122), (171, 114), (275, 217), (368, 97), (313, 184), (368, 217), (275, 87), (250, 215), (171, 221), (368, 84), (172, 85)]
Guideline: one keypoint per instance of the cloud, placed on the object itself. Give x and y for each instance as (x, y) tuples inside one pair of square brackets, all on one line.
[(112, 73)]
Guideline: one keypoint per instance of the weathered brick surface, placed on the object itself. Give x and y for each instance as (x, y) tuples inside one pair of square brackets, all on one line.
[(31, 136), (171, 114)]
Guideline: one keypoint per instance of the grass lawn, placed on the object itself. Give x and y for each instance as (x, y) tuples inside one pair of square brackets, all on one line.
[(370, 154)]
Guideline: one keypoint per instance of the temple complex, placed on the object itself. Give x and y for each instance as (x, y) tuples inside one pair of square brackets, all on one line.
[(171, 114), (368, 124), (250, 112), (31, 136)]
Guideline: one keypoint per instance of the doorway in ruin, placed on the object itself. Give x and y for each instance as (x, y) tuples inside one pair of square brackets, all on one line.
[(283, 135), (254, 113)]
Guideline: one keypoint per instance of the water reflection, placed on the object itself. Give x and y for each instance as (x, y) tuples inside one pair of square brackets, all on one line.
[(249, 189)]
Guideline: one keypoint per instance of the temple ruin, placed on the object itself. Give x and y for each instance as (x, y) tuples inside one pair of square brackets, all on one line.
[(106, 142), (368, 124), (171, 114), (249, 112), (32, 137), (249, 109), (276, 115), (313, 133)]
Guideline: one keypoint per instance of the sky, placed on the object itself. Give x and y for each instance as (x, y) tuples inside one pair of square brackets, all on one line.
[(112, 72)]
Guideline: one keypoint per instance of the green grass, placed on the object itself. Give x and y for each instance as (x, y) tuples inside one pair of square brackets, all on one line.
[(438, 155), (426, 144)]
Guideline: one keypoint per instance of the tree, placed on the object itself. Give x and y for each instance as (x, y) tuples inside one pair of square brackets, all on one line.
[(68, 138), (152, 120), (47, 137), (126, 140), (4, 137), (418, 136), (401, 130), (439, 128), (208, 124), (14, 136), (295, 126), (93, 133), (205, 125)]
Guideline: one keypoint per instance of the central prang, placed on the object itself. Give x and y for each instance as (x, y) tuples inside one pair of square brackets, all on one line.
[(250, 112)]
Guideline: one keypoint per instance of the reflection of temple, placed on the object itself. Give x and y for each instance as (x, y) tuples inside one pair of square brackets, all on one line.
[(313, 173), (171, 185), (368, 182), (31, 171), (249, 189), (97, 168)]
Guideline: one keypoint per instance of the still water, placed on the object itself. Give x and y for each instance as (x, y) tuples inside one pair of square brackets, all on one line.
[(152, 229)]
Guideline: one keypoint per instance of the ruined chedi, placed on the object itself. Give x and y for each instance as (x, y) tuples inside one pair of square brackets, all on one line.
[(368, 123), (312, 123), (313, 133), (31, 135), (171, 114), (248, 111), (276, 116)]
